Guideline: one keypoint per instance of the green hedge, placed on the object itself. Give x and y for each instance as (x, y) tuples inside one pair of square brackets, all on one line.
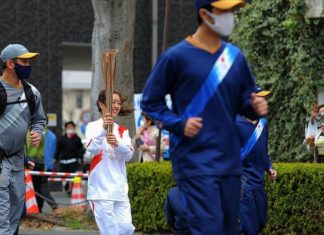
[(296, 199), (148, 187)]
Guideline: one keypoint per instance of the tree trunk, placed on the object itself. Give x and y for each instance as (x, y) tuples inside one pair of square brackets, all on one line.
[(114, 29)]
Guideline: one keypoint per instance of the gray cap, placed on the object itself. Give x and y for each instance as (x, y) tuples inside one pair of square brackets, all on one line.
[(16, 51)]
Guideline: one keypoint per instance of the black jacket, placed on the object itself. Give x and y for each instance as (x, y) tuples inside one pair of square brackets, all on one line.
[(68, 148)]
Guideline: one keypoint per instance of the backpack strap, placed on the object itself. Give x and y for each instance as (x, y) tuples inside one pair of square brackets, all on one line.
[(30, 97), (3, 99)]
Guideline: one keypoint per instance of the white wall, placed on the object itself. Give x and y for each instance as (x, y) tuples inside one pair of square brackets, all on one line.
[(76, 83)]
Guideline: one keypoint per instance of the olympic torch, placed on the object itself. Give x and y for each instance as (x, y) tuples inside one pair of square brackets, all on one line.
[(109, 69)]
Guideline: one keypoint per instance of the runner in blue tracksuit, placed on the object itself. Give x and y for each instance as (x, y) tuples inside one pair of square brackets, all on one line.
[(255, 159), (210, 82), (175, 213)]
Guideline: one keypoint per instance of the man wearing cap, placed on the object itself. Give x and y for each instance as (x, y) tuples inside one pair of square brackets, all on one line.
[(255, 159), (210, 82), (20, 114)]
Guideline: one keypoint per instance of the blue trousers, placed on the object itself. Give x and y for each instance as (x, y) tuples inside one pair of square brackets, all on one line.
[(212, 204), (253, 211), (175, 212)]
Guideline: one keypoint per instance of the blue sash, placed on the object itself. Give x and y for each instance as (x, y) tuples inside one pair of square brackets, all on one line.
[(209, 88), (246, 149)]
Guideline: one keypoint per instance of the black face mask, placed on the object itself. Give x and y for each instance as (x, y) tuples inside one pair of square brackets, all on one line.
[(22, 72)]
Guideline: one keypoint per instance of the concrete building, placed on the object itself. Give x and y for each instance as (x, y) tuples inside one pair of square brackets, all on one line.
[(51, 28), (61, 31)]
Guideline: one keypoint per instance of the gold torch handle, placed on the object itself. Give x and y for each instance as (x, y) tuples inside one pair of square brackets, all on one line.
[(109, 68)]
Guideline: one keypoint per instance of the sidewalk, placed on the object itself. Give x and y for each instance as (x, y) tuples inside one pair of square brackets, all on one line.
[(61, 230), (61, 197), (56, 232)]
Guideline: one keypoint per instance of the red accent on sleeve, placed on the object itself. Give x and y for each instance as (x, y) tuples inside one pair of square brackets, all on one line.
[(94, 161), (121, 130)]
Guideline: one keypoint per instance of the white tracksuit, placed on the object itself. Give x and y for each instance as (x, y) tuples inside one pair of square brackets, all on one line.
[(107, 185)]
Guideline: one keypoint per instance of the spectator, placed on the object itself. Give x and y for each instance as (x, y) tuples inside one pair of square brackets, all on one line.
[(311, 127), (49, 149), (42, 156), (315, 134), (69, 152), (145, 140)]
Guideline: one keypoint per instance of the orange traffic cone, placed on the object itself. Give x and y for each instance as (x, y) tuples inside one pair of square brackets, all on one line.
[(77, 195), (31, 203)]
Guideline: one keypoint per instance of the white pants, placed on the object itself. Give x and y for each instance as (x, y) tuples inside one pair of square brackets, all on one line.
[(113, 217)]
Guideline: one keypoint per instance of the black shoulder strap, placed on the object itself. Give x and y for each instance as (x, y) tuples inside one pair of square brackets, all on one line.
[(30, 97), (3, 99)]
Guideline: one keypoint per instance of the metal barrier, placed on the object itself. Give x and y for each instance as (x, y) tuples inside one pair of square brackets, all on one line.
[(59, 177), (61, 174)]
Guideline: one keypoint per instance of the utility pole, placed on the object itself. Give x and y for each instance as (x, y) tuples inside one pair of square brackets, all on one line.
[(164, 46)]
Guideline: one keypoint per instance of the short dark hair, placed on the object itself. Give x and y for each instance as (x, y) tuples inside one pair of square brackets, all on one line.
[(208, 8), (148, 118), (69, 123), (4, 64)]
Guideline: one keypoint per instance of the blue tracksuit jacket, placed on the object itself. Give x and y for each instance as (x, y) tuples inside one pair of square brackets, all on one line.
[(180, 72)]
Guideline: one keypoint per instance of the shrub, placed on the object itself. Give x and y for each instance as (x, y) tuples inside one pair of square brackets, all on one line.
[(296, 202), (148, 187)]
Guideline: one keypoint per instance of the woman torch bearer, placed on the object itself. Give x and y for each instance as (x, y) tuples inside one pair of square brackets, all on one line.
[(110, 145)]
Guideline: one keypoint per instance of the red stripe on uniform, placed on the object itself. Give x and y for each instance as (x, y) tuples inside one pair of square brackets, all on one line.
[(94, 161), (121, 130)]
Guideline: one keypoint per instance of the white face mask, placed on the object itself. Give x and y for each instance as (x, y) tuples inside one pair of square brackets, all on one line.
[(70, 131), (223, 24)]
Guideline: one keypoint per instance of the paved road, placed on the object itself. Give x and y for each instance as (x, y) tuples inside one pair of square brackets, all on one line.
[(61, 231), (61, 197), (65, 232), (54, 232)]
